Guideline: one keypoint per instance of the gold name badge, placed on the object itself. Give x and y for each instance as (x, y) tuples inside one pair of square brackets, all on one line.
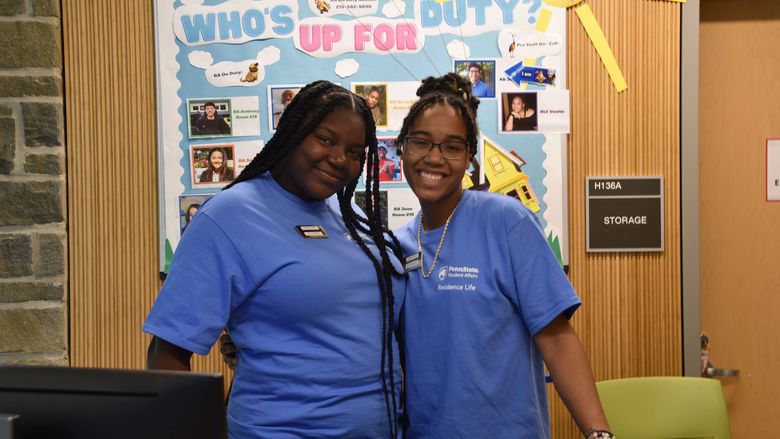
[(312, 232)]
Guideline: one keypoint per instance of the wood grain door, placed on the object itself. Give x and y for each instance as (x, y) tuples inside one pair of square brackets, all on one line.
[(740, 230)]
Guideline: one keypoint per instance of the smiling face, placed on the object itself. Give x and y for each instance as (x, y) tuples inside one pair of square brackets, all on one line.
[(373, 99), (287, 97), (327, 159), (436, 181), (216, 159), (210, 110), (474, 75), (517, 104)]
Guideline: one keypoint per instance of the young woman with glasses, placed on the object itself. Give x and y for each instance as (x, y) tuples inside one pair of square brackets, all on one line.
[(488, 304)]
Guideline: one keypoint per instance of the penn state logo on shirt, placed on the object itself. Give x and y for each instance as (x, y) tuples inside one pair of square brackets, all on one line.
[(458, 279), (442, 273), (366, 239)]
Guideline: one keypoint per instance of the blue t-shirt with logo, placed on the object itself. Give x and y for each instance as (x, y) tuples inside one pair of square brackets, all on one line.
[(472, 369), (306, 314)]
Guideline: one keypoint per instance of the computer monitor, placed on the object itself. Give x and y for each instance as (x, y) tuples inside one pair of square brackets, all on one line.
[(70, 403)]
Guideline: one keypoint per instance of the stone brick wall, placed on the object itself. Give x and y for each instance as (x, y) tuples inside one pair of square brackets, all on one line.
[(33, 244)]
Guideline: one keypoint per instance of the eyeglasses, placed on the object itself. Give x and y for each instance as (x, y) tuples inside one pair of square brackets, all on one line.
[(450, 150)]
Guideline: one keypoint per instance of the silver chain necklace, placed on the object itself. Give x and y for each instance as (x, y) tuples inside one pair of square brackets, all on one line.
[(438, 249)]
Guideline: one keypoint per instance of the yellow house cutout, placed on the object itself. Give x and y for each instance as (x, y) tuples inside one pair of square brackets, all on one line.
[(504, 174)]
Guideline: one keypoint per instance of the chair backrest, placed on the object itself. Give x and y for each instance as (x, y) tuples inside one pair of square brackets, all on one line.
[(665, 408)]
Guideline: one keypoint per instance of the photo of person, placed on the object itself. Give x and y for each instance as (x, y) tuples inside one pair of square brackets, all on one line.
[(389, 162), (279, 98), (209, 118), (188, 206), (481, 75), (376, 97), (519, 112), (212, 164), (360, 200)]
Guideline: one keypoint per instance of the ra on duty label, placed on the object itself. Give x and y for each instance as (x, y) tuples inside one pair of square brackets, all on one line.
[(624, 214)]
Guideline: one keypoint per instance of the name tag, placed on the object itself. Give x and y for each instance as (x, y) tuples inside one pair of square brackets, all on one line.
[(412, 262), (312, 232)]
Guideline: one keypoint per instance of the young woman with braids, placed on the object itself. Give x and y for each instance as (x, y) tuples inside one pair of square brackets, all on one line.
[(488, 303), (306, 286)]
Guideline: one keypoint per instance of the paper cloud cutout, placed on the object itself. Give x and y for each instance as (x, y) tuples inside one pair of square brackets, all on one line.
[(458, 49), (269, 55), (394, 8), (246, 73), (347, 67), (200, 59), (528, 44)]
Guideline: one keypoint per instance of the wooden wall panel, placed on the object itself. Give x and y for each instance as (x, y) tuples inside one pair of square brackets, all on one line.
[(631, 319), (112, 180)]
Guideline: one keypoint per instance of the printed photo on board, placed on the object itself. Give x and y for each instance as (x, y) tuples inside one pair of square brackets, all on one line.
[(389, 160), (481, 74), (376, 97), (209, 118), (360, 200), (188, 207), (519, 112), (545, 76), (279, 97), (213, 164)]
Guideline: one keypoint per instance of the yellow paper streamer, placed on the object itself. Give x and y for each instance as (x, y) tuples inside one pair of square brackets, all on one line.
[(562, 3), (602, 46)]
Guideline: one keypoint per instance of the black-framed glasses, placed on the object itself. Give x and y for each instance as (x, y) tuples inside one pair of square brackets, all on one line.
[(450, 150)]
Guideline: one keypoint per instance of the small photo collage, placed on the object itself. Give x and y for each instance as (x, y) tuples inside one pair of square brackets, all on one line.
[(389, 161), (279, 97), (188, 206), (212, 165), (481, 74), (375, 95), (209, 117)]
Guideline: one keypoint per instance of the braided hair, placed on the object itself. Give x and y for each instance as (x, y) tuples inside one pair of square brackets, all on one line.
[(452, 90), (304, 113)]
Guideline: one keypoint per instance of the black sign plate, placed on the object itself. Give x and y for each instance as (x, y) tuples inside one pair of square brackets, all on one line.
[(624, 214)]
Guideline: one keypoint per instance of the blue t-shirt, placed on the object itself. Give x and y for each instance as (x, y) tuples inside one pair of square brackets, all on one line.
[(305, 313), (480, 90), (472, 368)]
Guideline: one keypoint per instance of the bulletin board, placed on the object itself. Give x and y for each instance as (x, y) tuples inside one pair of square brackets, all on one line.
[(239, 62)]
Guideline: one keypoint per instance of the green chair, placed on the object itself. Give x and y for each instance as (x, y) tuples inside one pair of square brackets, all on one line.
[(665, 408)]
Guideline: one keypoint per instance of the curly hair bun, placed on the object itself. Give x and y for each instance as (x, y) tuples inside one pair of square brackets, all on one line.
[(450, 84)]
